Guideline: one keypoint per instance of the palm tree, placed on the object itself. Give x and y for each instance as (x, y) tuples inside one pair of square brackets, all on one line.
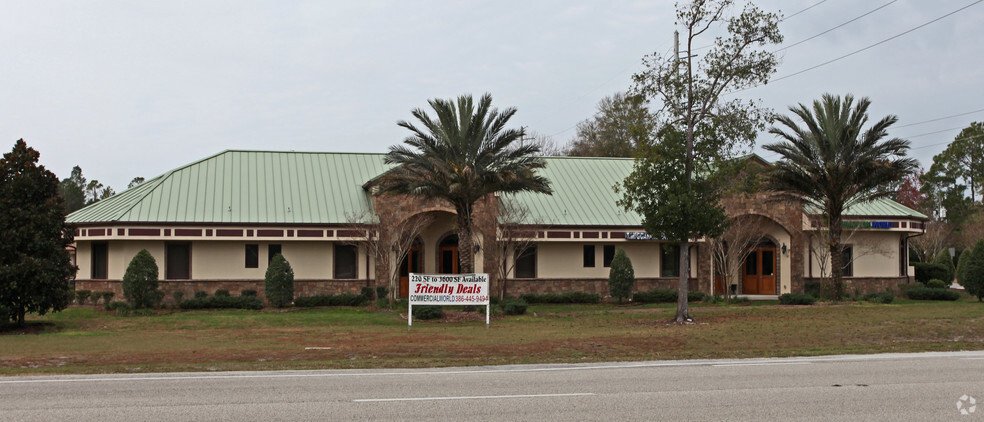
[(461, 156), (833, 164)]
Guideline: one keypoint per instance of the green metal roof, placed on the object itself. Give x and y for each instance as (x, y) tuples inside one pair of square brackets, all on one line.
[(257, 187), (882, 207), (248, 187), (583, 193)]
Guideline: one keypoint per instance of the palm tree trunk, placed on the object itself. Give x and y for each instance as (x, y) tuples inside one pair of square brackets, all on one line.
[(466, 253), (836, 259)]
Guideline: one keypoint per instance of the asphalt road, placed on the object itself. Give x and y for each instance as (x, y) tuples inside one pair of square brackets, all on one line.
[(891, 387)]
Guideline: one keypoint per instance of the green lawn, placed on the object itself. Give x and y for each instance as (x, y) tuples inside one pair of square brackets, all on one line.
[(87, 340)]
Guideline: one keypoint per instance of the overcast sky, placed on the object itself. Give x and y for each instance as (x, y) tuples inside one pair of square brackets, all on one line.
[(127, 89)]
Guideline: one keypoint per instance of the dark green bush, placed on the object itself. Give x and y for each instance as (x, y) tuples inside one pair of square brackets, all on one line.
[(927, 271), (427, 312), (514, 307), (95, 297), (223, 302), (178, 295), (107, 297), (925, 293), (936, 284), (796, 299), (883, 297), (140, 281), (248, 292), (695, 296), (343, 299), (279, 282), (812, 288), (201, 294), (121, 308), (82, 295), (944, 259), (569, 297), (973, 272), (381, 292), (222, 293), (656, 296), (621, 276)]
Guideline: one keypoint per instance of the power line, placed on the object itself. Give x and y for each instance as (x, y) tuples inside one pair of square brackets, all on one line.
[(868, 47), (938, 119), (836, 27), (807, 8)]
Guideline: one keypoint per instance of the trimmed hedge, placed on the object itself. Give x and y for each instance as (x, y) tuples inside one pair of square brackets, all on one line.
[(926, 271), (796, 299), (223, 302), (925, 293), (883, 297), (812, 288), (514, 307), (665, 296), (343, 299), (936, 284), (569, 297), (428, 312)]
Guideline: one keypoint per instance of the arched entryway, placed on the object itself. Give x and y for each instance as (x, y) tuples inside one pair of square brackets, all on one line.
[(759, 272), (411, 264), (447, 255)]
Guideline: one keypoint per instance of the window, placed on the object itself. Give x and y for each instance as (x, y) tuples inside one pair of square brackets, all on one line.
[(608, 253), (252, 255), (272, 250), (903, 257), (847, 257), (346, 261), (526, 263), (669, 260), (100, 261), (178, 261), (589, 256)]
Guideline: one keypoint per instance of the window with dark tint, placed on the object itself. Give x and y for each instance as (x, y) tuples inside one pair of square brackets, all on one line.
[(669, 260), (903, 257), (848, 258), (345, 261), (178, 257), (768, 262), (751, 263), (589, 256), (526, 263), (272, 250), (100, 260), (608, 253), (252, 256)]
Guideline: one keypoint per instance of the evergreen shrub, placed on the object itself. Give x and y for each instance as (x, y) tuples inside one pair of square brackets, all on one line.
[(796, 299), (140, 281), (279, 282)]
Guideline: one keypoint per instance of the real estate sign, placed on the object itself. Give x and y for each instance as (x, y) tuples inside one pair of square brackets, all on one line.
[(448, 289)]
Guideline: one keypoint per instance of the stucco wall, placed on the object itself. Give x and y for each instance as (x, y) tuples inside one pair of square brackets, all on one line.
[(224, 260), (876, 254)]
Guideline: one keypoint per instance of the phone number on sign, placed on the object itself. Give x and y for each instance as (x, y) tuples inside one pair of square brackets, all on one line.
[(471, 298)]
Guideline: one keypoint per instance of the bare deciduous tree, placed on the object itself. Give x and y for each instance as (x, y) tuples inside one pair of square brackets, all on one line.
[(731, 249), (390, 246), (514, 237)]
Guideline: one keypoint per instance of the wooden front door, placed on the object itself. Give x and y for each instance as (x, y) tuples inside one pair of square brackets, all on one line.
[(759, 274), (410, 264)]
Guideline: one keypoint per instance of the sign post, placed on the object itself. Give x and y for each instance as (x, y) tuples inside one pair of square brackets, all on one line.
[(448, 289)]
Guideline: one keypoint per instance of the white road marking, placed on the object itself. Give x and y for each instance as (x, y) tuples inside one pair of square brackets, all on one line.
[(513, 396), (317, 348)]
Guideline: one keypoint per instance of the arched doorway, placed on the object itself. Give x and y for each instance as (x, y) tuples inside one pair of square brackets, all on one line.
[(447, 255), (759, 272), (410, 264)]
